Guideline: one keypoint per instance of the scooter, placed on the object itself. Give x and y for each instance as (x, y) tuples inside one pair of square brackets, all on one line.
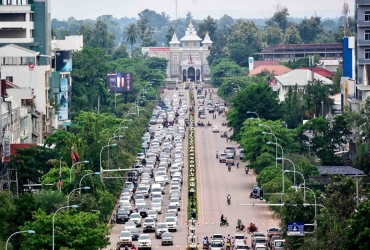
[(246, 170), (224, 124), (224, 223), (228, 201), (229, 168)]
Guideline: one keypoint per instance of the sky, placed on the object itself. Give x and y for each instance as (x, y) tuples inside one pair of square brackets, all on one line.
[(83, 9)]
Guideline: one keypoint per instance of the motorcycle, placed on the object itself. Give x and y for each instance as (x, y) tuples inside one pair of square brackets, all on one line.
[(205, 246), (216, 156), (224, 223), (229, 168), (228, 201), (224, 124), (209, 124), (228, 246), (252, 229), (240, 228), (246, 170)]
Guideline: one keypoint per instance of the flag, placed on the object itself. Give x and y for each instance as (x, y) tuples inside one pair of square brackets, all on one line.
[(75, 157), (191, 60), (60, 181)]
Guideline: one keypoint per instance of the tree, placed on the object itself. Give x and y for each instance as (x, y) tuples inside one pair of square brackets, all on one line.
[(75, 230), (319, 91), (292, 36), (225, 21), (208, 25), (142, 26), (362, 158), (280, 18), (120, 52), (49, 200), (268, 174), (103, 38), (131, 34), (86, 30), (249, 99), (240, 53), (223, 68), (358, 230), (7, 213), (299, 63), (309, 29), (293, 107), (169, 34), (273, 35)]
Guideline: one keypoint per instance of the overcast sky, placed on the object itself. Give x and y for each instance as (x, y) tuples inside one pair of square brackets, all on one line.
[(83, 9)]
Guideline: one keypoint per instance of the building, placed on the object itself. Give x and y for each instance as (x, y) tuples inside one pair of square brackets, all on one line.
[(276, 70), (362, 38), (327, 171), (295, 51), (26, 23), (187, 57), (74, 43), (321, 71), (299, 77), (330, 65)]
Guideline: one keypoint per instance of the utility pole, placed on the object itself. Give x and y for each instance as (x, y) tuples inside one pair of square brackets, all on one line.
[(345, 12)]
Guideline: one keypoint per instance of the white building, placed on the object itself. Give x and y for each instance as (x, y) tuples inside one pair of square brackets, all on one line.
[(73, 42), (187, 58), (299, 77)]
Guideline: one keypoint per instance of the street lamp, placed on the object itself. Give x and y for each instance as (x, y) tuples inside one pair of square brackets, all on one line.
[(265, 133), (70, 171), (73, 206), (25, 231), (119, 128), (109, 145), (282, 155), (315, 222), (236, 85), (285, 159), (95, 173), (72, 192), (250, 112), (304, 180), (114, 136)]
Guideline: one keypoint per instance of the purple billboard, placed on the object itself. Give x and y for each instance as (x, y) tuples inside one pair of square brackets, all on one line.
[(119, 82)]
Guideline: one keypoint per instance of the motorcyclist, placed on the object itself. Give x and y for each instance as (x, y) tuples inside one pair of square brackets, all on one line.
[(205, 242), (209, 124), (237, 164), (228, 197), (133, 247), (229, 167), (239, 223), (223, 219), (228, 244), (228, 237), (217, 154), (251, 226)]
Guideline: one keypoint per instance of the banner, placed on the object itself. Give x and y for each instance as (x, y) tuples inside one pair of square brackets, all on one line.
[(119, 82), (63, 60)]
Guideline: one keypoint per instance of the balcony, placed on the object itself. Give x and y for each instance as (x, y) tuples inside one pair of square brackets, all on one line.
[(17, 25), (362, 23), (23, 133), (23, 112), (363, 2), (363, 42), (188, 63), (363, 61)]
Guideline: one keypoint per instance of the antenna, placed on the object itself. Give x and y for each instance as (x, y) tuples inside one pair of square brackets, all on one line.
[(345, 12)]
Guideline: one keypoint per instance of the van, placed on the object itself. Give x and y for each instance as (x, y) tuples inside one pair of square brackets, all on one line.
[(160, 180), (177, 174), (125, 204), (157, 188), (200, 97), (242, 154)]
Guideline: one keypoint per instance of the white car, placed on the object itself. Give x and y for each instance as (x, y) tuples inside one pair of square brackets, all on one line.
[(174, 188), (171, 223), (152, 214), (172, 209), (125, 238), (140, 202), (129, 225), (157, 207), (216, 129), (144, 242), (136, 218), (176, 202), (160, 229), (148, 224)]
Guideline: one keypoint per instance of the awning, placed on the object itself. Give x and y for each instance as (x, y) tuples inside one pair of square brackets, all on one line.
[(67, 123), (35, 133)]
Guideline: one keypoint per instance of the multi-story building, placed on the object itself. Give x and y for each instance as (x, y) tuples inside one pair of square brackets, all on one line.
[(73, 42), (187, 58)]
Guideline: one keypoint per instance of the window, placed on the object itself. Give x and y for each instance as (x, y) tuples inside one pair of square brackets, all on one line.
[(367, 16), (175, 57), (9, 78), (367, 35), (186, 44), (367, 54), (163, 56), (195, 44), (31, 33), (185, 57), (175, 70)]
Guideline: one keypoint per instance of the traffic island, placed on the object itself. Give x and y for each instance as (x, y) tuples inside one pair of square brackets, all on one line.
[(192, 183)]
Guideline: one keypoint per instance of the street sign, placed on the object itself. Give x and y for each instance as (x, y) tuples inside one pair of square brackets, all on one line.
[(295, 229)]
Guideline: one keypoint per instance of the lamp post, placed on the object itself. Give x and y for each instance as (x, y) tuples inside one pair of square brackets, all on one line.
[(95, 173), (265, 133), (250, 112), (314, 196), (285, 159), (304, 181), (114, 136), (73, 206), (236, 85), (282, 155), (70, 171), (25, 231), (113, 145), (72, 192), (119, 129)]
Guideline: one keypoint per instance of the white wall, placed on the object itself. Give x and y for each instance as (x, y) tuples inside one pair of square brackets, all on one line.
[(19, 94), (74, 43), (35, 79)]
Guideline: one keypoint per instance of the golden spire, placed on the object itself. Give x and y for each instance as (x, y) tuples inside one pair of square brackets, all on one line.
[(191, 24), (206, 33)]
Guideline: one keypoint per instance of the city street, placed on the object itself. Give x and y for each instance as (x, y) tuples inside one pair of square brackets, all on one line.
[(214, 183)]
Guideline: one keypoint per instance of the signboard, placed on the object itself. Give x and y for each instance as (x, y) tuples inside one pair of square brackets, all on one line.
[(295, 229), (154, 49), (119, 82), (63, 60)]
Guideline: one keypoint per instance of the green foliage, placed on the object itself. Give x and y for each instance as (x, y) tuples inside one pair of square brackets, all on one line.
[(263, 161), (292, 36), (49, 200), (359, 227), (103, 38), (292, 106), (276, 185), (221, 69), (75, 230), (169, 34), (273, 35), (120, 52), (298, 63), (249, 99), (362, 158), (268, 174), (319, 92), (280, 18), (7, 212), (310, 28), (239, 53)]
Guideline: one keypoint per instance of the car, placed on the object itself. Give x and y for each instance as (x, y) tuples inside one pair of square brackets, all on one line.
[(141, 189), (260, 247), (148, 224), (242, 154), (167, 239), (142, 210), (175, 194), (216, 129), (211, 110), (222, 157), (171, 223), (160, 229), (224, 134), (259, 241), (144, 242), (217, 245), (202, 115), (218, 237), (125, 239), (229, 160), (173, 209), (134, 233), (152, 214), (174, 188), (231, 149), (176, 202), (128, 225), (122, 215), (240, 239), (153, 121), (139, 202), (157, 207), (136, 218)]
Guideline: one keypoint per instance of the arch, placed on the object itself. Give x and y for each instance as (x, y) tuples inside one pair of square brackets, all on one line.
[(184, 75), (191, 74)]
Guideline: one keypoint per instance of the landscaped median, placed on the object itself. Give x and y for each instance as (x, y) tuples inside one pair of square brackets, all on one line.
[(192, 179)]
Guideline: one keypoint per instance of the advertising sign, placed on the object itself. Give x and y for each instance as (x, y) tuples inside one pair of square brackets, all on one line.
[(63, 84), (295, 229), (119, 82), (63, 60), (63, 108)]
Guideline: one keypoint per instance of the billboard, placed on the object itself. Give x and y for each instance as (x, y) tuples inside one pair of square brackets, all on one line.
[(63, 60), (63, 99), (119, 82)]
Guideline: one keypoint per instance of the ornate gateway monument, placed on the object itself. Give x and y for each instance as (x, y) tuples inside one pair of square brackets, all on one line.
[(187, 58)]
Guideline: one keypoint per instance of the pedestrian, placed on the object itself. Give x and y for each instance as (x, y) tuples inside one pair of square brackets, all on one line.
[(112, 219), (227, 139), (215, 116), (237, 164)]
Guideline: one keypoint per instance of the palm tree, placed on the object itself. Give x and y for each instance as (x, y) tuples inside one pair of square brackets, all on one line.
[(131, 35), (49, 200), (309, 107)]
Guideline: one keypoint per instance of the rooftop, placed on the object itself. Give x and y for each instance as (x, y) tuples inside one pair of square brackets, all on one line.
[(301, 77), (276, 70), (339, 170), (265, 63), (321, 71), (303, 47)]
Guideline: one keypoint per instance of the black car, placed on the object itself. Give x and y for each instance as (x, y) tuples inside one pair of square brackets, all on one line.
[(142, 211), (134, 233), (122, 215), (211, 110)]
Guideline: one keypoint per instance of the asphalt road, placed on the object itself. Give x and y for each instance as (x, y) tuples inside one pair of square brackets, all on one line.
[(214, 183)]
